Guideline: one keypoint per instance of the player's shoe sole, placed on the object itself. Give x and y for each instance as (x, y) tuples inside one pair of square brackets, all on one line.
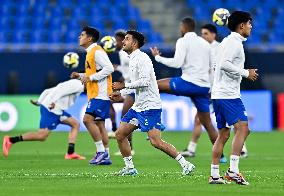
[(74, 156), (6, 145), (238, 178), (187, 153), (219, 180)]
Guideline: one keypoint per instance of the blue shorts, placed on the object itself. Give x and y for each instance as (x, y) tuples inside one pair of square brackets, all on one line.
[(229, 111), (146, 120), (50, 120), (199, 95), (98, 108)]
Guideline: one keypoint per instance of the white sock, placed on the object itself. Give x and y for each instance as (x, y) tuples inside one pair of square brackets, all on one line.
[(215, 171), (181, 160), (191, 146), (128, 162), (244, 149), (100, 146), (234, 163)]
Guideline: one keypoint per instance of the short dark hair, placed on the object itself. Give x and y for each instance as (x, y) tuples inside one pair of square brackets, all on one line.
[(189, 22), (138, 36), (92, 32), (210, 27), (237, 18), (120, 33)]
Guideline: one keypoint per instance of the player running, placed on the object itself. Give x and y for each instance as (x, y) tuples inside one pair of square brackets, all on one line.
[(53, 102), (146, 111)]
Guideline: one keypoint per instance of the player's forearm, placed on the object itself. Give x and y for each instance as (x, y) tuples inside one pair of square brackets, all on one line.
[(170, 62), (141, 82), (229, 67), (105, 72)]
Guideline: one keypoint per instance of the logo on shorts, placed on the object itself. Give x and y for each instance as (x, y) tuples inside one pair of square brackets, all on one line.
[(245, 113), (146, 122)]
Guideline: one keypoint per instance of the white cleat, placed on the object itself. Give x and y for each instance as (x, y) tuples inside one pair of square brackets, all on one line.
[(187, 169), (128, 172)]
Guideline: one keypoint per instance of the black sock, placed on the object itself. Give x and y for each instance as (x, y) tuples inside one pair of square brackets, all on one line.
[(71, 148), (16, 139), (114, 127)]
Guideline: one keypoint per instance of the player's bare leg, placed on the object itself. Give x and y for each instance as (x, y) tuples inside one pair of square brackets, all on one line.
[(127, 104), (205, 120), (241, 133), (196, 132), (113, 122), (40, 135), (164, 85), (75, 126), (97, 137), (217, 151), (121, 134), (156, 141)]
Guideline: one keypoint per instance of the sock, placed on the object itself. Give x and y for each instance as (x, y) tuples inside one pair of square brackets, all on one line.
[(128, 162), (71, 148), (215, 171), (107, 150), (16, 139), (100, 146), (181, 160), (244, 149), (234, 163), (114, 127), (191, 146)]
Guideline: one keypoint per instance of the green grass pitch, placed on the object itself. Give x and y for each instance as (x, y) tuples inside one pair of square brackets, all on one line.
[(38, 168)]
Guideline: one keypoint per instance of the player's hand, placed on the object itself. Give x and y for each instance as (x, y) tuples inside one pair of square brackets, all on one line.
[(155, 51), (118, 85), (51, 106), (34, 102), (75, 75), (116, 97), (85, 80), (252, 74)]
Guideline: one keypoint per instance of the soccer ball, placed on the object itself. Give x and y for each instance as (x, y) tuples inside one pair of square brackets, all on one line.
[(108, 43), (71, 60), (220, 17)]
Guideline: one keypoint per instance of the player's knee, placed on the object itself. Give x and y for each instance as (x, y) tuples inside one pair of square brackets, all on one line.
[(43, 136), (86, 121), (76, 125), (118, 135)]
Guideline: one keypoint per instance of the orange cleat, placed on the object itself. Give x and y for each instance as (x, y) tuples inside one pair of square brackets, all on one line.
[(74, 156), (6, 145)]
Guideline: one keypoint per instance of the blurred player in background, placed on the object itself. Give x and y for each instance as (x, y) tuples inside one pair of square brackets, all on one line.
[(53, 102), (228, 106), (192, 55), (146, 111), (209, 33), (97, 79)]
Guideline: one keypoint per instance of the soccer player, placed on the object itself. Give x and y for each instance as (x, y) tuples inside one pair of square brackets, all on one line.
[(129, 96), (209, 33), (97, 79), (227, 103), (192, 55), (53, 102), (146, 111)]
